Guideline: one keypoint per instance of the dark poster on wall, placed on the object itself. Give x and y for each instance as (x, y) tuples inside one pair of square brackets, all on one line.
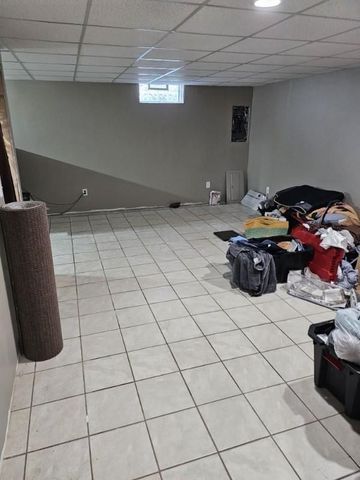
[(240, 124)]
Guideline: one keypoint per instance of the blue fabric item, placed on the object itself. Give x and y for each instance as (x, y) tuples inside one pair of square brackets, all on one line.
[(238, 240), (348, 320)]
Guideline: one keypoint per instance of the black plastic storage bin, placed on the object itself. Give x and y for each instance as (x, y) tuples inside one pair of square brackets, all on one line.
[(286, 261), (340, 377)]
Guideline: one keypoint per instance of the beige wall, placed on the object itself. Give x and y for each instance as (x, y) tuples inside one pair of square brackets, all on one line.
[(128, 154), (8, 355), (307, 131)]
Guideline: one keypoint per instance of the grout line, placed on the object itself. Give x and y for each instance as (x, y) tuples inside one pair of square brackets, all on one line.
[(83, 29)]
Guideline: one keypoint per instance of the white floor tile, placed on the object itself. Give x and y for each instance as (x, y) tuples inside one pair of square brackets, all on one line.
[(179, 329), (209, 468), (102, 344), (58, 383), (279, 408), (142, 336), (113, 408), (151, 362), (231, 344), (210, 382), (290, 362), (67, 461), (179, 437), (252, 373), (232, 422), (107, 372), (214, 322), (260, 460), (193, 353), (57, 422), (163, 395), (319, 456), (126, 450)]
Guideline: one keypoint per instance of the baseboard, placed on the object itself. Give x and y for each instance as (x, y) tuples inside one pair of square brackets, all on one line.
[(122, 209)]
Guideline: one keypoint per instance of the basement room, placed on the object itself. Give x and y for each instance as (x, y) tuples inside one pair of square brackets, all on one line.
[(179, 239)]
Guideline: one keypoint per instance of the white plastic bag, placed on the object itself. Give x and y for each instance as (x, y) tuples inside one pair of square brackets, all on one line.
[(215, 197), (346, 346)]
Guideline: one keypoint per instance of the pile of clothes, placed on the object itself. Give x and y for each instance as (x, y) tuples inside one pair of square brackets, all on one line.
[(319, 223)]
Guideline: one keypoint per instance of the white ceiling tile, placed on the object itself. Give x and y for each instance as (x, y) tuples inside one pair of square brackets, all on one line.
[(168, 64), (94, 79), (39, 30), (306, 69), (49, 66), (53, 78), (321, 49), (11, 66), (283, 60), (148, 71), (138, 14), (233, 75), (122, 36), (100, 69), (290, 6), (8, 57), (196, 42), (197, 73), (210, 66), (348, 37), (125, 80), (252, 67), (352, 54), (38, 46), (17, 76), (330, 62), (232, 22), (187, 55), (262, 45), (95, 75), (118, 62), (51, 73), (307, 28), (228, 57), (68, 11), (112, 51), (337, 8), (44, 58)]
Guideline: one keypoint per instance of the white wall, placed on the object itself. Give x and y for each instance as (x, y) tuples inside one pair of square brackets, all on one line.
[(74, 135), (307, 131)]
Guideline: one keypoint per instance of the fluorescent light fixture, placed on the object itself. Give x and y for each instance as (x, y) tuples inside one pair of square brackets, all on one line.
[(267, 3)]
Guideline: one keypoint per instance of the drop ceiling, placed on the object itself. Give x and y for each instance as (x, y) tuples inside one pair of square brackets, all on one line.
[(196, 42)]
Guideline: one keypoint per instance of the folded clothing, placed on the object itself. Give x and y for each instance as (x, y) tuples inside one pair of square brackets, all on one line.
[(260, 227)]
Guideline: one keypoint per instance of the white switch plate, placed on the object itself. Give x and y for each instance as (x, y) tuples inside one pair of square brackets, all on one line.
[(208, 184)]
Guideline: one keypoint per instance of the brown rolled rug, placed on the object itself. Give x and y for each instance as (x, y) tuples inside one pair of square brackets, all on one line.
[(28, 249)]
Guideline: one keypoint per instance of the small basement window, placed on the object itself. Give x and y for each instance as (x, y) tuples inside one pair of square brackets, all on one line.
[(161, 93)]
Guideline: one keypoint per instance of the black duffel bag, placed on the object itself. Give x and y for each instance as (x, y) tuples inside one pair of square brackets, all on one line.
[(284, 260)]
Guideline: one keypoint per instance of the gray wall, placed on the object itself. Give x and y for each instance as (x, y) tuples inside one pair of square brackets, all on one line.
[(8, 355), (307, 131), (75, 135)]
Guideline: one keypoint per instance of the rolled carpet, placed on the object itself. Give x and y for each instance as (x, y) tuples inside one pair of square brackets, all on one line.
[(28, 250)]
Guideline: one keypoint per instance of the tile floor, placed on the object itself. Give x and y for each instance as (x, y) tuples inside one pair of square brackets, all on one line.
[(169, 373)]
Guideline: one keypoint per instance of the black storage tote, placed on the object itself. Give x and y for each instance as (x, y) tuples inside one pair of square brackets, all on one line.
[(340, 377)]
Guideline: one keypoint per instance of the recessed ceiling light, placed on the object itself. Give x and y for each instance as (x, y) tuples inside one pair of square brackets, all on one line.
[(267, 3)]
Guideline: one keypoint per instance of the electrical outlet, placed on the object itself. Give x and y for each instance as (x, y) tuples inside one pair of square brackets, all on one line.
[(207, 184), (85, 192)]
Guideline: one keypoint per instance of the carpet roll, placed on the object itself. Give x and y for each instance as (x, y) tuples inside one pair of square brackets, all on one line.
[(28, 249)]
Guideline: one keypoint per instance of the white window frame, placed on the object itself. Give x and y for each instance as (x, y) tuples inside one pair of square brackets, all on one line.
[(161, 88)]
